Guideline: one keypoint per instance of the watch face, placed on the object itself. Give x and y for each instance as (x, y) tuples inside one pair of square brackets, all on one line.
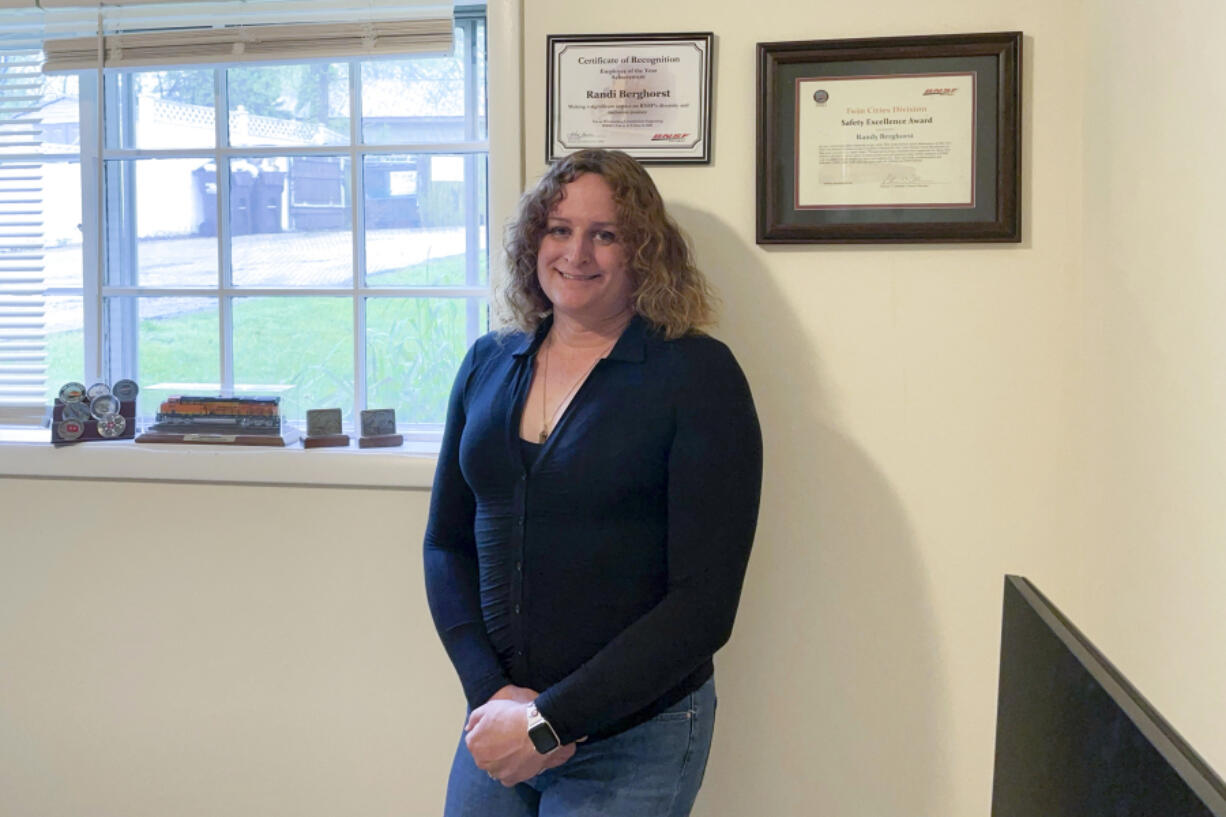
[(543, 738)]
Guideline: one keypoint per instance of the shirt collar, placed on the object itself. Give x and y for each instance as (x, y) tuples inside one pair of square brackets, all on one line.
[(630, 347)]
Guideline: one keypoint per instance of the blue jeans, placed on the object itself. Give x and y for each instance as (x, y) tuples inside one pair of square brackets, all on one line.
[(652, 770)]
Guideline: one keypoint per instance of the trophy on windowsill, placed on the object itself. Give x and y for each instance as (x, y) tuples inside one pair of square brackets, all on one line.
[(379, 429), (324, 429)]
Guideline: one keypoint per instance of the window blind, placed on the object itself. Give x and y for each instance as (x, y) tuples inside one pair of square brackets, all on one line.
[(194, 32), (22, 292)]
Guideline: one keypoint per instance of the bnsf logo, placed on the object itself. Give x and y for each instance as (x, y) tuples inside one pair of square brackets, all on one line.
[(668, 137), (941, 91)]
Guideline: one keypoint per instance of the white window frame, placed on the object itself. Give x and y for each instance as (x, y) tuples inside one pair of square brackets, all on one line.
[(28, 454), (112, 350)]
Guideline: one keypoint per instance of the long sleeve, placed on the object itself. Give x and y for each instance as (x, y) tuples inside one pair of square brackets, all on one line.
[(450, 552), (713, 488)]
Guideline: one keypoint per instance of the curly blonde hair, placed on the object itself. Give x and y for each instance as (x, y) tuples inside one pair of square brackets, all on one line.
[(669, 291)]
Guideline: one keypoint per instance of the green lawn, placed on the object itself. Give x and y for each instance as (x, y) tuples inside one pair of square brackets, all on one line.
[(413, 347)]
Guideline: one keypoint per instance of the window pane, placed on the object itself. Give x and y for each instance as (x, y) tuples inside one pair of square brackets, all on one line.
[(303, 343), (158, 223), (290, 218), (425, 220), (62, 222), (413, 348), (64, 316), (167, 345), (54, 124), (160, 109), (419, 100), (482, 118), (289, 105)]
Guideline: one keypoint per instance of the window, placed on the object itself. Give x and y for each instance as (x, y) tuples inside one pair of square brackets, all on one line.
[(316, 230)]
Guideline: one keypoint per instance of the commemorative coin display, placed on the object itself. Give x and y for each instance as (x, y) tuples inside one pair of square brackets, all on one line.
[(82, 414)]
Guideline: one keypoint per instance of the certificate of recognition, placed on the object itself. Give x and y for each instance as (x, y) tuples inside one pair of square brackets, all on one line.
[(903, 140), (648, 95)]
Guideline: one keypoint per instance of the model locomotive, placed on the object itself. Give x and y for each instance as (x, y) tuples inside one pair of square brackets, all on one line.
[(186, 413)]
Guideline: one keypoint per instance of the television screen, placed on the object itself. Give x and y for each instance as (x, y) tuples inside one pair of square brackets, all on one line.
[(1074, 738)]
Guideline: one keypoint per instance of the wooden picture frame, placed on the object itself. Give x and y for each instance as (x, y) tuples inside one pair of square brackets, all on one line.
[(890, 140)]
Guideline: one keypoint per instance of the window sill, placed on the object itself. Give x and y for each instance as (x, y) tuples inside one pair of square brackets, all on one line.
[(30, 454)]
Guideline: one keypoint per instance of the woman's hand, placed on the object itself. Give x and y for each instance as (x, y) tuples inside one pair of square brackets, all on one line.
[(498, 739), (510, 692)]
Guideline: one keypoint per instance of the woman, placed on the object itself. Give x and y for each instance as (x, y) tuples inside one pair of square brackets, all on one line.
[(593, 511)]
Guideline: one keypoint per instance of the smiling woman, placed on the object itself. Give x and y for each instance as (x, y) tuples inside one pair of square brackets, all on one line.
[(581, 264), (593, 511)]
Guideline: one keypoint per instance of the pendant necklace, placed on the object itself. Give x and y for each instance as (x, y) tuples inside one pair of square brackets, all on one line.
[(545, 421)]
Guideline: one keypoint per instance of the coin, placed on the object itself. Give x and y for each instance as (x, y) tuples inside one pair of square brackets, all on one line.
[(69, 430), (111, 425), (72, 392), (76, 411), (104, 405), (125, 390), (97, 390)]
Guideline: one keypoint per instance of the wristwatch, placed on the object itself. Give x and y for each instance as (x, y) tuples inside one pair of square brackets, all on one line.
[(540, 732)]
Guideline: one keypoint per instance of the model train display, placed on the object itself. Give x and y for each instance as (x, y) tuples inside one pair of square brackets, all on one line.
[(211, 414)]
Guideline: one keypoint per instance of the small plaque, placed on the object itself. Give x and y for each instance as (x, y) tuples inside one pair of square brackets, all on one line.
[(378, 422), (326, 422), (210, 438)]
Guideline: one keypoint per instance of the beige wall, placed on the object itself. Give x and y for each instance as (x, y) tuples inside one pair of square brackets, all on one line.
[(204, 650), (1155, 350), (915, 404), (934, 417)]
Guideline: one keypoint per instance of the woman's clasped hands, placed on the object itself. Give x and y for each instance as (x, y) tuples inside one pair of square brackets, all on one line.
[(497, 738)]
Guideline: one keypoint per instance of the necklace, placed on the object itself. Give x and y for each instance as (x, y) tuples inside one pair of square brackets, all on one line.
[(547, 420)]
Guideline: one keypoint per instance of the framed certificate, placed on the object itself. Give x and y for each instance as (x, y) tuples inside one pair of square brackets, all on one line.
[(900, 139), (646, 94)]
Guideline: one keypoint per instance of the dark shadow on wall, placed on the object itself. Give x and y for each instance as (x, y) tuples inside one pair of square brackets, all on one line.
[(832, 693)]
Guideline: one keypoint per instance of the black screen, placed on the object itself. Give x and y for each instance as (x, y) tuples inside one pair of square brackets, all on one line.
[(1074, 738)]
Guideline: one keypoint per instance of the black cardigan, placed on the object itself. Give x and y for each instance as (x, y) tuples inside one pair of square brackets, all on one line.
[(607, 574)]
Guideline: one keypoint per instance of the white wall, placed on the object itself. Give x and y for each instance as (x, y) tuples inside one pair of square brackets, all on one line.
[(934, 417)]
